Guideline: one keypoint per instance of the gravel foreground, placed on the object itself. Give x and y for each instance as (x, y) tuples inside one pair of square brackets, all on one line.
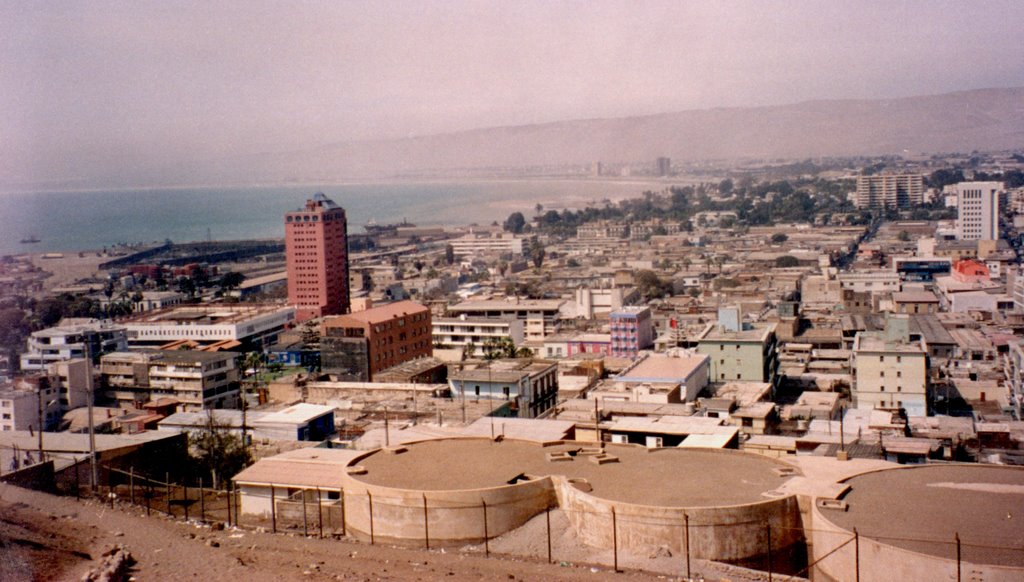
[(46, 537)]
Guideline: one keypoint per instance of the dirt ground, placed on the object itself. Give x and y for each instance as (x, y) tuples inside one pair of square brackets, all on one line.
[(44, 537)]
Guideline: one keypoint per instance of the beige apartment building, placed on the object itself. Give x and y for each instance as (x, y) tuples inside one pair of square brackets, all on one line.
[(890, 370), (198, 380), (743, 352), (890, 191)]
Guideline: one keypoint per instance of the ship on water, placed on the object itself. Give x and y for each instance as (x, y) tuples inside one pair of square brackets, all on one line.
[(31, 239), (374, 228)]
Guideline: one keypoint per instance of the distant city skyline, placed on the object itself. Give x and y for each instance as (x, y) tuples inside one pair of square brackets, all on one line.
[(90, 89)]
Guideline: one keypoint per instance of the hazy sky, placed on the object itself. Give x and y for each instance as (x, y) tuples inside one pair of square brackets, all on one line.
[(86, 87)]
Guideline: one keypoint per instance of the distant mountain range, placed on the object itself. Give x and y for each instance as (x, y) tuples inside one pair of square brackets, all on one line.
[(986, 119)]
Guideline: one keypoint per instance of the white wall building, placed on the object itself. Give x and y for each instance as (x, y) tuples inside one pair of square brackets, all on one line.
[(247, 324), (978, 210), (890, 370), (73, 338)]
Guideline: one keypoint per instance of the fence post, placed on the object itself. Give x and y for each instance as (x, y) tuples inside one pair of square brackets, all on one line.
[(957, 534), (768, 528), (487, 545), (320, 513), (202, 501), (78, 481), (686, 542), (547, 518), (229, 502), (148, 495), (305, 521), (856, 555), (426, 523), (273, 510), (167, 486), (236, 495), (615, 540), (341, 493), (369, 497), (110, 486), (131, 484), (184, 499)]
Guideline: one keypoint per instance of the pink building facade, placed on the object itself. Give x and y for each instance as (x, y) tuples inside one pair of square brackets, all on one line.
[(316, 248)]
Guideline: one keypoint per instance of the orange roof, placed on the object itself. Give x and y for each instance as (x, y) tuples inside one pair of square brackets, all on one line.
[(379, 314)]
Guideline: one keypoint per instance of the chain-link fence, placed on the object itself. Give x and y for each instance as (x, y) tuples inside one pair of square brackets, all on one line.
[(619, 539)]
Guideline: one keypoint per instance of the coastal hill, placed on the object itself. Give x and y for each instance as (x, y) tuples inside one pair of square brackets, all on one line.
[(986, 119)]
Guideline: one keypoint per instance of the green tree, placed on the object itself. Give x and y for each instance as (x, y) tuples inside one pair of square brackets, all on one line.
[(449, 254), (14, 328), (786, 261), (779, 238), (650, 285), (903, 236), (232, 280), (725, 186), (215, 449), (537, 252), (515, 222)]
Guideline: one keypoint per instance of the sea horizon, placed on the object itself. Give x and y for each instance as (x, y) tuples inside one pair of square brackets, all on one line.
[(90, 219)]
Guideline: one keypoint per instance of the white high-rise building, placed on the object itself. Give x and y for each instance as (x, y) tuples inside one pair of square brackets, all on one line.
[(978, 207)]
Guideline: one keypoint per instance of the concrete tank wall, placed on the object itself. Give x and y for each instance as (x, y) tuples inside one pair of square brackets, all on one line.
[(735, 533), (883, 562), (453, 517)]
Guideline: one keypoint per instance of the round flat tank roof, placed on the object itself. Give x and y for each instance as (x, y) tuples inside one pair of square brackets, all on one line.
[(669, 477), (923, 508)]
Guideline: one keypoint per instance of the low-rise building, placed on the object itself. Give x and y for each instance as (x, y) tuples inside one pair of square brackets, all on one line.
[(475, 332), (473, 244), (740, 351), (358, 345), (71, 339), (529, 386), (540, 316), (676, 376), (198, 380), (244, 325), (632, 330)]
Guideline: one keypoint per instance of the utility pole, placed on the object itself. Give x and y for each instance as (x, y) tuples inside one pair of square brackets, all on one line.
[(89, 397)]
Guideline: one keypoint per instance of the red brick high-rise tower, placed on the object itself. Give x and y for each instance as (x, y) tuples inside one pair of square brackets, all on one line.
[(316, 245)]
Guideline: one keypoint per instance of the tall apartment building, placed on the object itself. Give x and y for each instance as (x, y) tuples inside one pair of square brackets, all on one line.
[(978, 210), (358, 345), (316, 247), (632, 330), (890, 191), (664, 166)]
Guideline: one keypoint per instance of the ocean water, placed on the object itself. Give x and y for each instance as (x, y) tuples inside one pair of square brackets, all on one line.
[(71, 221)]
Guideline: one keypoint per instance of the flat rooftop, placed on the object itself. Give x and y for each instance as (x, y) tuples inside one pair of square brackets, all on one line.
[(641, 475), (981, 503), (504, 305), (218, 314), (661, 368), (752, 332)]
